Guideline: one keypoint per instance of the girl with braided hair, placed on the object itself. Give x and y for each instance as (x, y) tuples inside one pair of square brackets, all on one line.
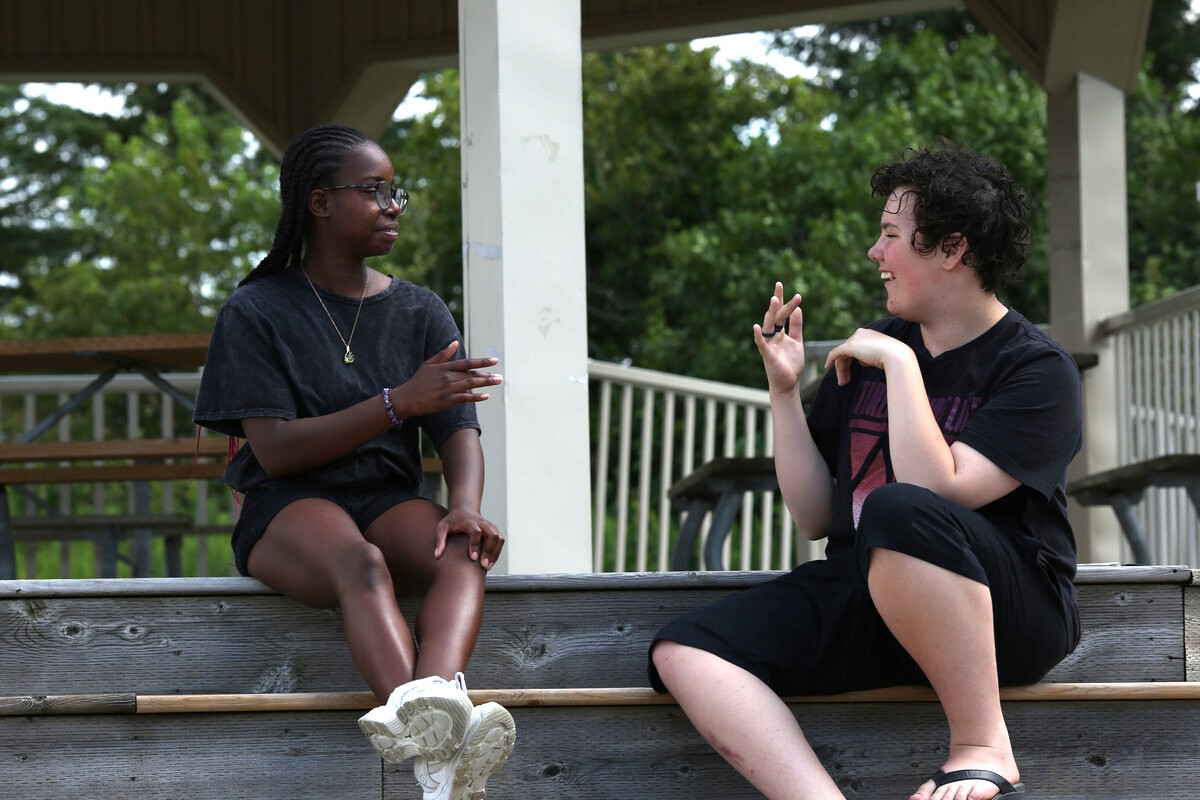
[(330, 370)]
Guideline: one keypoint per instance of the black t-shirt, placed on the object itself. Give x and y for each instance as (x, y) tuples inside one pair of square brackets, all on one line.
[(274, 353), (1012, 394)]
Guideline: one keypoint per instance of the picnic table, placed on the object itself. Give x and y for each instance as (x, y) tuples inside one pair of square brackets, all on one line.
[(27, 460)]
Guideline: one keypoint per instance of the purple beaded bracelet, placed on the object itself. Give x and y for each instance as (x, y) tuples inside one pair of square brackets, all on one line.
[(387, 403)]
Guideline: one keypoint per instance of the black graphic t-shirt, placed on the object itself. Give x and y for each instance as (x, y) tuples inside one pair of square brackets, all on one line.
[(1012, 394)]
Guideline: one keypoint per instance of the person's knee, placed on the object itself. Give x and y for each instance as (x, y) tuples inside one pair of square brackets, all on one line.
[(890, 510), (891, 504), (362, 566), (669, 658)]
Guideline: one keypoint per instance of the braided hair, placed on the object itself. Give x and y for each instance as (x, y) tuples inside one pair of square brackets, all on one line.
[(310, 160)]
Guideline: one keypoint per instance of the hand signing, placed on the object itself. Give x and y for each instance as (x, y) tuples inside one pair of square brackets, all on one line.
[(780, 341)]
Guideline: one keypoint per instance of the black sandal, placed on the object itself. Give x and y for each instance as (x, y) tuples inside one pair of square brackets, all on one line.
[(1006, 789)]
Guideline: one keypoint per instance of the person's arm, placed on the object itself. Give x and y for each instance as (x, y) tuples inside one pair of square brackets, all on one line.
[(918, 450), (462, 469), (804, 479), (289, 447)]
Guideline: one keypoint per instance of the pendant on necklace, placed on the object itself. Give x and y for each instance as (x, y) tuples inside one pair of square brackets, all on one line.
[(349, 357)]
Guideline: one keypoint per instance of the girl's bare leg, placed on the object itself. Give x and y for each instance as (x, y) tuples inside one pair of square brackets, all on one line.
[(312, 551), (452, 587)]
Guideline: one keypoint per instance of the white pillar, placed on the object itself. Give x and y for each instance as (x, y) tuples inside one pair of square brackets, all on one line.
[(525, 278), (1089, 271)]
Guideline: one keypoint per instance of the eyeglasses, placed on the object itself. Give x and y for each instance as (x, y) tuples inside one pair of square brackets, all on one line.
[(384, 193)]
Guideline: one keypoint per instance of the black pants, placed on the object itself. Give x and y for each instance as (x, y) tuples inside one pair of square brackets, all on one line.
[(816, 630)]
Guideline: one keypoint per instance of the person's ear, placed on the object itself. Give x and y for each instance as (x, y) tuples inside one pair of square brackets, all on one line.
[(954, 249), (318, 203)]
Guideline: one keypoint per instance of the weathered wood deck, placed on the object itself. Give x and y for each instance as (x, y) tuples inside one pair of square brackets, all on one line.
[(204, 636)]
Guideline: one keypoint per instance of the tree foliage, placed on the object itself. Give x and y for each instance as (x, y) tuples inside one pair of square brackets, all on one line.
[(157, 220)]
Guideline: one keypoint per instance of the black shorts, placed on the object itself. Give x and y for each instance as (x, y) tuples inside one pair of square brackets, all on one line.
[(363, 502), (815, 630)]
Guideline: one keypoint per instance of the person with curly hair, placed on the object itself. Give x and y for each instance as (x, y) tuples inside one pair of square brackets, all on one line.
[(331, 371), (933, 459)]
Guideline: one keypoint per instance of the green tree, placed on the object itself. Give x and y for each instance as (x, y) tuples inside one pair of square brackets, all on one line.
[(167, 220), (661, 126), (1163, 168), (426, 156), (43, 148), (1161, 137), (797, 207)]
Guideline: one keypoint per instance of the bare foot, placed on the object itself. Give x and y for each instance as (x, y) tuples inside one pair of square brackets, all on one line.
[(968, 757)]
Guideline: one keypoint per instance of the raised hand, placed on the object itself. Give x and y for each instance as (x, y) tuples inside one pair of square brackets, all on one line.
[(780, 341), (440, 383)]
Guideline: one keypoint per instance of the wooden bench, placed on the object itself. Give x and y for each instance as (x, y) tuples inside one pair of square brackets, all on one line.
[(167, 688), (717, 486), (107, 531), (42, 462), (136, 460), (1123, 489)]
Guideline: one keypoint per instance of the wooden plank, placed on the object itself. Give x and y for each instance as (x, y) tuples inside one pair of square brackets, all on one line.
[(1191, 631), (254, 643), (204, 470), (1176, 469), (168, 757), (47, 589), (249, 703), (178, 351), (122, 703), (206, 446), (1120, 573), (1130, 632), (1067, 751), (752, 473), (63, 526), (1100, 751), (128, 703), (247, 644), (560, 582)]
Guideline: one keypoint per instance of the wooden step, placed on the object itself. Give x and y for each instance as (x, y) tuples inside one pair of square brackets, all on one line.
[(164, 641)]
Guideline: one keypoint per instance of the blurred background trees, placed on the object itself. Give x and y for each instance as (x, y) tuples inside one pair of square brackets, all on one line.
[(705, 183)]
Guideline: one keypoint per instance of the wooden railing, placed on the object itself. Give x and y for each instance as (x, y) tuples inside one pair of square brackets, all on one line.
[(1157, 350), (649, 430)]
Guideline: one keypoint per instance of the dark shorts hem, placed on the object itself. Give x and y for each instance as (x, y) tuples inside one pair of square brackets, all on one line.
[(363, 503)]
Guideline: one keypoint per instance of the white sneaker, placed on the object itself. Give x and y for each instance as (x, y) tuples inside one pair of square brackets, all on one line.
[(489, 742), (426, 718)]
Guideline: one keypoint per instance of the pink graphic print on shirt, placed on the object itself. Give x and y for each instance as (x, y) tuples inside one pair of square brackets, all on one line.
[(870, 460)]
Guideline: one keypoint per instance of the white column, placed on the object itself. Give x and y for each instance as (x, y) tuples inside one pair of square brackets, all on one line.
[(1089, 271), (525, 278)]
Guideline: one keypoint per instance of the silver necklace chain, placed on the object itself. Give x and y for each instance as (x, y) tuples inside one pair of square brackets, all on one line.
[(348, 358)]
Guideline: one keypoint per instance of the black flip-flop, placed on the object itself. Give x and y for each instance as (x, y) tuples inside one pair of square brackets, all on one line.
[(1006, 789)]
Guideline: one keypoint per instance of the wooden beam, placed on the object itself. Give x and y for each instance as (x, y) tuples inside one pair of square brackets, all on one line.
[(128, 703), (80, 450)]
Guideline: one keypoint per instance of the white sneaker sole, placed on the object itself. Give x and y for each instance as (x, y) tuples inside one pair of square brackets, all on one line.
[(429, 725), (485, 751)]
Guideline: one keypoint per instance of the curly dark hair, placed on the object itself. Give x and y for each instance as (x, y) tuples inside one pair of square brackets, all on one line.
[(310, 161), (962, 194)]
